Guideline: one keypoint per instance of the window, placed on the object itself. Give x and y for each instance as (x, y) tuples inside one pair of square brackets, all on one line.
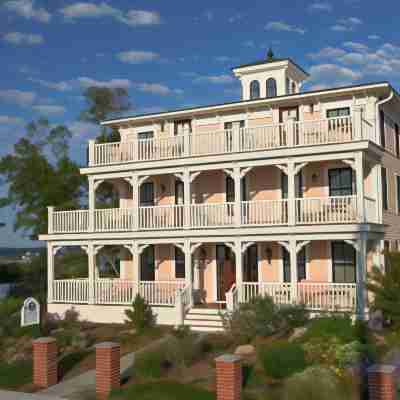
[(340, 182), (179, 263), (182, 127), (145, 135), (147, 194), (287, 86), (338, 112), (230, 189), (343, 263), (271, 87), (284, 185), (397, 133), (254, 90), (294, 87), (384, 189), (382, 128), (179, 192), (147, 264), (228, 126), (398, 193), (301, 265)]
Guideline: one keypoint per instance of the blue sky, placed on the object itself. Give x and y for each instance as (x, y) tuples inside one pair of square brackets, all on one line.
[(174, 54)]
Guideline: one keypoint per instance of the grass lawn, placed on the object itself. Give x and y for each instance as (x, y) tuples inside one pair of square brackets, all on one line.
[(163, 390), (15, 375)]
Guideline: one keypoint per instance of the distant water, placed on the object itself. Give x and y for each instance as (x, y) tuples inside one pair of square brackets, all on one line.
[(4, 290)]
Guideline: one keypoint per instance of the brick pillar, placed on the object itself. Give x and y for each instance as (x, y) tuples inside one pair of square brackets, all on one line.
[(229, 377), (107, 368), (45, 372), (382, 382)]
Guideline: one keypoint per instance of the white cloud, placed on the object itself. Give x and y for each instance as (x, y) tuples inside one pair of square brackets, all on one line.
[(346, 24), (101, 10), (18, 97), (374, 37), (283, 26), (26, 9), (8, 120), (62, 86), (49, 109), (327, 52), (86, 82), (333, 74), (353, 58), (157, 88), (356, 46), (320, 6), (236, 17), (218, 79), (19, 38), (79, 128), (137, 57)]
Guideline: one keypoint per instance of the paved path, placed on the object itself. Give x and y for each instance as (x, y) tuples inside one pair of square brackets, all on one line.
[(6, 395), (83, 385)]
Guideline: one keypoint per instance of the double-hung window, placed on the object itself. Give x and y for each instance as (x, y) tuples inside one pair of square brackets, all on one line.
[(340, 182), (343, 263)]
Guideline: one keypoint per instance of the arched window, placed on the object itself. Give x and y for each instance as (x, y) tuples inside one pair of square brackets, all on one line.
[(294, 87), (271, 87), (254, 90)]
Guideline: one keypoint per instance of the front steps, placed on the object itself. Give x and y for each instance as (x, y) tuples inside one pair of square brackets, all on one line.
[(204, 320)]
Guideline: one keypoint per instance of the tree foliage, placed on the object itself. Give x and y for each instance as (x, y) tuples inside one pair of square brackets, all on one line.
[(385, 285), (39, 173), (102, 102)]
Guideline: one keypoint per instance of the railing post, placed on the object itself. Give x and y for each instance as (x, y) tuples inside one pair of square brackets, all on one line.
[(179, 312), (291, 131), (238, 196), (357, 123), (229, 300), (50, 215), (135, 199), (291, 194), (92, 273), (50, 273), (92, 150), (186, 144), (358, 162)]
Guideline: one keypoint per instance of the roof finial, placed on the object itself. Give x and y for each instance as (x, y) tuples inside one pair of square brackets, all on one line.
[(270, 55)]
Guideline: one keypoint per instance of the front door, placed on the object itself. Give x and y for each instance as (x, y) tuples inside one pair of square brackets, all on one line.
[(147, 264), (146, 194), (250, 264), (226, 271)]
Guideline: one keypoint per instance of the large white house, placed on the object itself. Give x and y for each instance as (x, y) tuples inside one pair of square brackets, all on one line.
[(288, 193)]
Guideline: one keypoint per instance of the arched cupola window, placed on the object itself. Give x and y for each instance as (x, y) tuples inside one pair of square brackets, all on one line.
[(271, 87), (254, 90)]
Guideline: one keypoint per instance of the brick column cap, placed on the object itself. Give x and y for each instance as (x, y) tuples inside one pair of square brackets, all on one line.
[(228, 358), (44, 340), (106, 345), (382, 368)]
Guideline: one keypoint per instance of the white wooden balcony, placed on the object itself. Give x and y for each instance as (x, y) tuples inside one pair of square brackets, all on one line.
[(308, 211), (268, 137), (314, 296)]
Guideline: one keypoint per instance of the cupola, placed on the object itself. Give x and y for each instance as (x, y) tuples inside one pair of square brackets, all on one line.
[(270, 77)]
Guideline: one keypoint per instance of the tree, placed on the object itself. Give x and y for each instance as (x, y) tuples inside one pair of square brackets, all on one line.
[(101, 103), (385, 285), (39, 173)]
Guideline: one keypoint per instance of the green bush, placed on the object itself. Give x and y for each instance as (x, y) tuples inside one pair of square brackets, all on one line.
[(282, 359), (141, 316), (340, 327), (259, 317), (164, 390), (10, 318), (183, 352), (13, 375), (150, 364), (294, 316)]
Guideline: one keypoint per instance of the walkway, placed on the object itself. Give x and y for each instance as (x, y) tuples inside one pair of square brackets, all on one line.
[(83, 386), (6, 395)]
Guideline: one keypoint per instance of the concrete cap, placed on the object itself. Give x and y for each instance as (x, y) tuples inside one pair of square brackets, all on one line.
[(44, 340), (106, 345), (228, 358), (382, 368)]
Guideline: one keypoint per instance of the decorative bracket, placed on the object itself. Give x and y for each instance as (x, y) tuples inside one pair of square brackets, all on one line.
[(299, 167), (244, 171), (352, 243), (97, 248), (142, 179), (130, 181), (142, 247), (246, 245), (130, 247), (180, 246), (55, 250), (350, 163), (231, 245), (193, 176), (229, 172), (283, 168), (285, 244), (180, 176), (301, 245), (97, 183), (195, 246)]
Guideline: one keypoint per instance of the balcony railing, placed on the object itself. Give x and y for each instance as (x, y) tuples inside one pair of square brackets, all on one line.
[(308, 211), (268, 137)]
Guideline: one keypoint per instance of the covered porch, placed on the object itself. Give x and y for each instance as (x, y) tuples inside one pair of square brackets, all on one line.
[(323, 275)]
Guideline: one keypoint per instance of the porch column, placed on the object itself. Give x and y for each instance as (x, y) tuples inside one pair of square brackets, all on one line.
[(239, 267), (92, 272), (92, 202), (291, 193), (50, 272), (361, 271), (358, 164), (135, 198), (293, 269), (357, 123), (186, 197), (238, 195), (188, 266), (196, 271)]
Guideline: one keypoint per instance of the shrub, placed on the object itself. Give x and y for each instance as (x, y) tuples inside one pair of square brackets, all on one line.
[(315, 383), (183, 352), (258, 317), (282, 359), (10, 315), (150, 364), (141, 317), (294, 316), (13, 375), (340, 327)]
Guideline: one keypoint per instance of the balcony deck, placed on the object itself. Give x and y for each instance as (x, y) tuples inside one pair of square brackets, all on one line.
[(268, 137), (309, 211)]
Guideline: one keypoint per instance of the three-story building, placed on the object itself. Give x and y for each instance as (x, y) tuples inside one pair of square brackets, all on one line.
[(287, 193)]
